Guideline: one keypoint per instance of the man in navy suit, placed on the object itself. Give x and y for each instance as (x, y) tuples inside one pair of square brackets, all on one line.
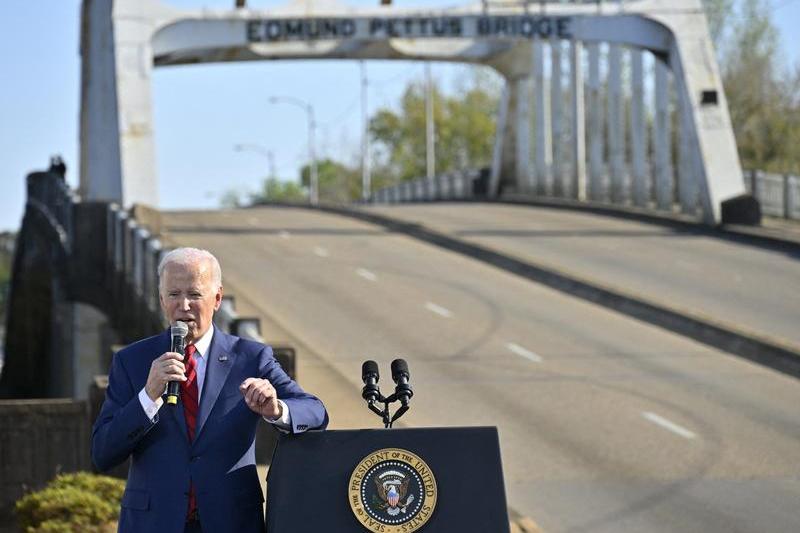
[(193, 464)]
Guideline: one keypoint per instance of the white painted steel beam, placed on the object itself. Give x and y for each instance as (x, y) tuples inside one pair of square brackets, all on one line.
[(544, 138), (497, 155), (616, 126), (523, 128), (662, 151), (640, 176), (578, 186), (597, 189), (557, 118)]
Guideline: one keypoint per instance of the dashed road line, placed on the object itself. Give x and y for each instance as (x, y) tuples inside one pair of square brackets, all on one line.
[(283, 234), (522, 352), (320, 251), (438, 309), (366, 274), (668, 425)]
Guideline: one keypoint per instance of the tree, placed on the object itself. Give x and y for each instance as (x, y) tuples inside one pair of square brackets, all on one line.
[(464, 126), (275, 190), (337, 182), (719, 14), (762, 96)]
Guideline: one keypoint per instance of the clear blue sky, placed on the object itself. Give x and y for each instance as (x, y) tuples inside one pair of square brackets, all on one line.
[(201, 112)]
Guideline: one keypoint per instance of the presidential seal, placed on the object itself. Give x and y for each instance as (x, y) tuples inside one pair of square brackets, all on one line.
[(392, 491)]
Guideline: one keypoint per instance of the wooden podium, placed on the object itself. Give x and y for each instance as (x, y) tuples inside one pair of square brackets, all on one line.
[(388, 481)]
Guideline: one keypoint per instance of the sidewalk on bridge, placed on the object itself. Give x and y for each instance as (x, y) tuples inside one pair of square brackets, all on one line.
[(777, 229)]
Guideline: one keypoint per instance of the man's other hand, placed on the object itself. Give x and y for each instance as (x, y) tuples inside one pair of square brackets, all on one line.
[(261, 398)]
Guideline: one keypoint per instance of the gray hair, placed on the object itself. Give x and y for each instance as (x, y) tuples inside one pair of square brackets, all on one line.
[(189, 256)]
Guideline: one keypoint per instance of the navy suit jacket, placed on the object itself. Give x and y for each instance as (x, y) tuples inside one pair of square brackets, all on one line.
[(220, 462)]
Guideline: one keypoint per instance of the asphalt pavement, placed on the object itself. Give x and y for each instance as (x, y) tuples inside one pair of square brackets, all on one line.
[(606, 423)]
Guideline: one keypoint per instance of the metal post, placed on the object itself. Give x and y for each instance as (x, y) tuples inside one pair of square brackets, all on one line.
[(429, 126), (497, 155), (366, 177), (544, 152), (578, 189), (687, 191), (596, 174), (523, 119), (641, 183), (616, 128), (313, 156), (309, 109), (788, 197), (556, 107), (661, 139)]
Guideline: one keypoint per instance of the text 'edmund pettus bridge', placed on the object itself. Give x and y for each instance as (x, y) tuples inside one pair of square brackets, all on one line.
[(417, 27)]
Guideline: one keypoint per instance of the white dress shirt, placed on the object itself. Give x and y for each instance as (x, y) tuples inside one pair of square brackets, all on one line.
[(202, 345)]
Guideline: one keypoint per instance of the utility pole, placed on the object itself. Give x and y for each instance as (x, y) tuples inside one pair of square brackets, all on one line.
[(429, 131), (366, 178), (312, 156)]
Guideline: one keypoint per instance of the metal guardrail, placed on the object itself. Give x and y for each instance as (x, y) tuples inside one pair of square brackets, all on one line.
[(462, 185), (779, 195)]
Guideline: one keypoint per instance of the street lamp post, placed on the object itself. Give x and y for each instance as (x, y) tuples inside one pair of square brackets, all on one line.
[(309, 109), (266, 152)]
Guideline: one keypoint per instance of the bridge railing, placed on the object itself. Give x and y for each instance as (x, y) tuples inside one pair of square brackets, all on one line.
[(461, 185), (778, 194)]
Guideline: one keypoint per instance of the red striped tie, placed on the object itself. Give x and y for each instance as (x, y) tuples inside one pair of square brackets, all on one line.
[(189, 393)]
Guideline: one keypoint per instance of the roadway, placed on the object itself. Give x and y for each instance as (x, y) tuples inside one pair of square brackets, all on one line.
[(746, 286), (606, 423)]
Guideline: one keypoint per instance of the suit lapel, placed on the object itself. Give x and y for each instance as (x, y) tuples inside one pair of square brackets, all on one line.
[(218, 365)]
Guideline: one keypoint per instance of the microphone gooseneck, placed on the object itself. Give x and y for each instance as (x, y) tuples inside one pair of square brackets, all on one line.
[(372, 394), (178, 334)]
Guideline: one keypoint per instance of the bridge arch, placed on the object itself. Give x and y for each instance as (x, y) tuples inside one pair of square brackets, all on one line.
[(122, 41)]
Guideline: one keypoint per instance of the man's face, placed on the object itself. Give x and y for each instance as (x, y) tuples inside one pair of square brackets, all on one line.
[(188, 293)]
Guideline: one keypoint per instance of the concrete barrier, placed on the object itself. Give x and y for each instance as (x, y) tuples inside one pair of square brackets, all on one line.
[(39, 439)]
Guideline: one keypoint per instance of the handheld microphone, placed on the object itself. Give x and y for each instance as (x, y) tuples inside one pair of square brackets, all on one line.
[(401, 376), (370, 377), (178, 334)]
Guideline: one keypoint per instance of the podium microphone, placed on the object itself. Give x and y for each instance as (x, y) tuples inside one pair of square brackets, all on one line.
[(401, 376), (178, 334), (370, 377)]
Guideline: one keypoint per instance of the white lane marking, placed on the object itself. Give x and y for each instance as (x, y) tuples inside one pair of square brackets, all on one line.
[(522, 352), (668, 425), (320, 251), (439, 310), (366, 274), (283, 234)]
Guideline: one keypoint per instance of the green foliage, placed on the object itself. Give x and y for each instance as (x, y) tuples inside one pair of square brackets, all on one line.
[(762, 92), (275, 190), (5, 272), (80, 502), (719, 13), (337, 182), (464, 127)]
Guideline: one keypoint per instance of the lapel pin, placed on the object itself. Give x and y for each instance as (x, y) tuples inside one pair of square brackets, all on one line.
[(223, 358)]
